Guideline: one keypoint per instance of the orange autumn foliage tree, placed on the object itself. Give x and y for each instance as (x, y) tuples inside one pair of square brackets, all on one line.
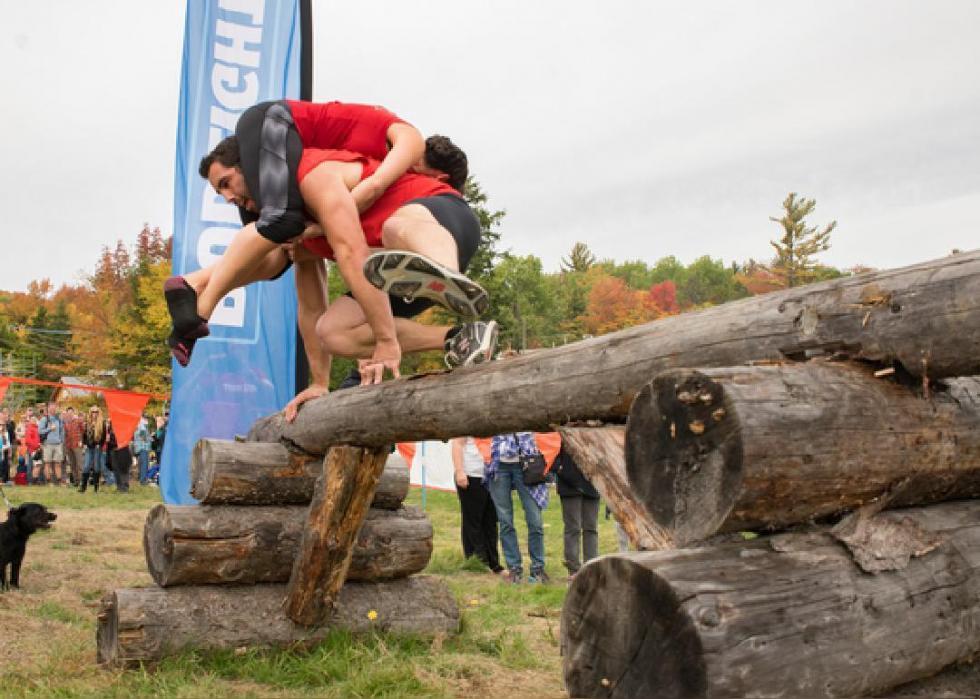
[(612, 306)]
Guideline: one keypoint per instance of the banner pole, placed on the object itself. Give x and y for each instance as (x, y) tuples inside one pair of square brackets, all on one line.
[(305, 93)]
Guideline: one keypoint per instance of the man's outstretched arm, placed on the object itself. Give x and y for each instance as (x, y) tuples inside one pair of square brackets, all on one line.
[(326, 191)]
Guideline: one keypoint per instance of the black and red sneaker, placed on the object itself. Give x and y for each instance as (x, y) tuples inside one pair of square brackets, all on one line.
[(189, 327)]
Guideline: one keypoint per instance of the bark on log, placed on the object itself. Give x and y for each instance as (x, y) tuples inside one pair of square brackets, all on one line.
[(924, 317), (790, 616), (599, 454), (769, 446), (148, 624), (254, 473), (339, 506), (194, 545)]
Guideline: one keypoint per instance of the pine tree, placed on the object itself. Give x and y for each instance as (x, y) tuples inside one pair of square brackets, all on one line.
[(799, 244), (580, 259)]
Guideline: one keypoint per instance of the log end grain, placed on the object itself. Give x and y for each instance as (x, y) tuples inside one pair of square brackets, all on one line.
[(601, 639), (158, 544), (683, 453)]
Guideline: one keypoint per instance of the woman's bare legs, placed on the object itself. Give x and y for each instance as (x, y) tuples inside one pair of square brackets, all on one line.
[(271, 265), (235, 268), (414, 228)]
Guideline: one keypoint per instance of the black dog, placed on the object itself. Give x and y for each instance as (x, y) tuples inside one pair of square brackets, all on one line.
[(21, 523)]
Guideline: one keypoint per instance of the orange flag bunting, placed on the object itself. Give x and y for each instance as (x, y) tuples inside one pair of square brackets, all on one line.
[(407, 450), (125, 410), (4, 385)]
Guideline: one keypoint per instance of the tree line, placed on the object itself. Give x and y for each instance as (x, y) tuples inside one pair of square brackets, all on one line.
[(109, 328)]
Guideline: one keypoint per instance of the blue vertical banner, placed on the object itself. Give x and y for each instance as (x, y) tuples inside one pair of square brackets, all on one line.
[(236, 53)]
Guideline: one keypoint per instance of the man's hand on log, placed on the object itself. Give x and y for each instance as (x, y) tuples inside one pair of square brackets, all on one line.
[(292, 407), (387, 355)]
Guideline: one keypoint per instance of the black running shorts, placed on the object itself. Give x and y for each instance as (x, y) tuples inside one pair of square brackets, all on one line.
[(454, 214)]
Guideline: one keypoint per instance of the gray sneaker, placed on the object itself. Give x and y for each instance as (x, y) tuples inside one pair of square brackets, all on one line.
[(473, 344), (409, 275)]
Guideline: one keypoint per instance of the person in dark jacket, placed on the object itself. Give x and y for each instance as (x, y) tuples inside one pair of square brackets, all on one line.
[(94, 438), (579, 512), (120, 459)]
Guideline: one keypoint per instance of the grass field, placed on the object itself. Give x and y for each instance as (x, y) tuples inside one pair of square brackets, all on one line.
[(508, 645)]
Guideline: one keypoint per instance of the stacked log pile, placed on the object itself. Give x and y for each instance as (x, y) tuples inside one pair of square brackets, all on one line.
[(222, 567), (778, 415), (875, 601)]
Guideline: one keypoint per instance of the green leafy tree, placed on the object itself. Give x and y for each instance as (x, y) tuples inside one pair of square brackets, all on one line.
[(668, 268), (637, 274), (707, 281), (799, 243), (523, 302), (487, 255)]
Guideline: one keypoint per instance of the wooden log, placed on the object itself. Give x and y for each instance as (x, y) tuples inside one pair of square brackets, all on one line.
[(148, 624), (220, 545), (769, 446), (339, 506), (790, 616), (253, 473), (599, 454), (925, 318)]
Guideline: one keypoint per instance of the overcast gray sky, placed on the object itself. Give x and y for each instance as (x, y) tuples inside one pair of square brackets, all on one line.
[(643, 129)]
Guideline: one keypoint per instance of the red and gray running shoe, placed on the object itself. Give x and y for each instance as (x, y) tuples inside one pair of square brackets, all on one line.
[(409, 275), (473, 344)]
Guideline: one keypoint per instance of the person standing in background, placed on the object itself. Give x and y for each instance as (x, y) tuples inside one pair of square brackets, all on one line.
[(478, 526), (94, 438), (141, 447), (504, 473), (74, 446), (6, 449), (32, 442), (159, 437), (52, 431), (579, 512)]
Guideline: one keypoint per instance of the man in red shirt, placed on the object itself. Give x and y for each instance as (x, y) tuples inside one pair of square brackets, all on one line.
[(416, 213), (260, 175)]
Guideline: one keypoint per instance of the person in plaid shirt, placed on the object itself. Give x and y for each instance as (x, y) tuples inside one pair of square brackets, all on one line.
[(503, 474), (74, 449)]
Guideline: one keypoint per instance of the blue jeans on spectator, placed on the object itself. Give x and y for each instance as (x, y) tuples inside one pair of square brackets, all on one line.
[(143, 458), (510, 476), (93, 460)]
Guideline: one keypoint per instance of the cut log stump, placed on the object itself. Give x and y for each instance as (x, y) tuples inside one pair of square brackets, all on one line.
[(340, 503), (148, 624), (925, 317), (220, 545), (599, 454), (256, 473), (713, 450), (788, 616)]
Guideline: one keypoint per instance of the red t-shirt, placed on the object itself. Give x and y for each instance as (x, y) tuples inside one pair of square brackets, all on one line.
[(406, 188), (361, 128)]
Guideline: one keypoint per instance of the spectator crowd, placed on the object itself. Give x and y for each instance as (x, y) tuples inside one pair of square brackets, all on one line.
[(489, 471), (60, 446)]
